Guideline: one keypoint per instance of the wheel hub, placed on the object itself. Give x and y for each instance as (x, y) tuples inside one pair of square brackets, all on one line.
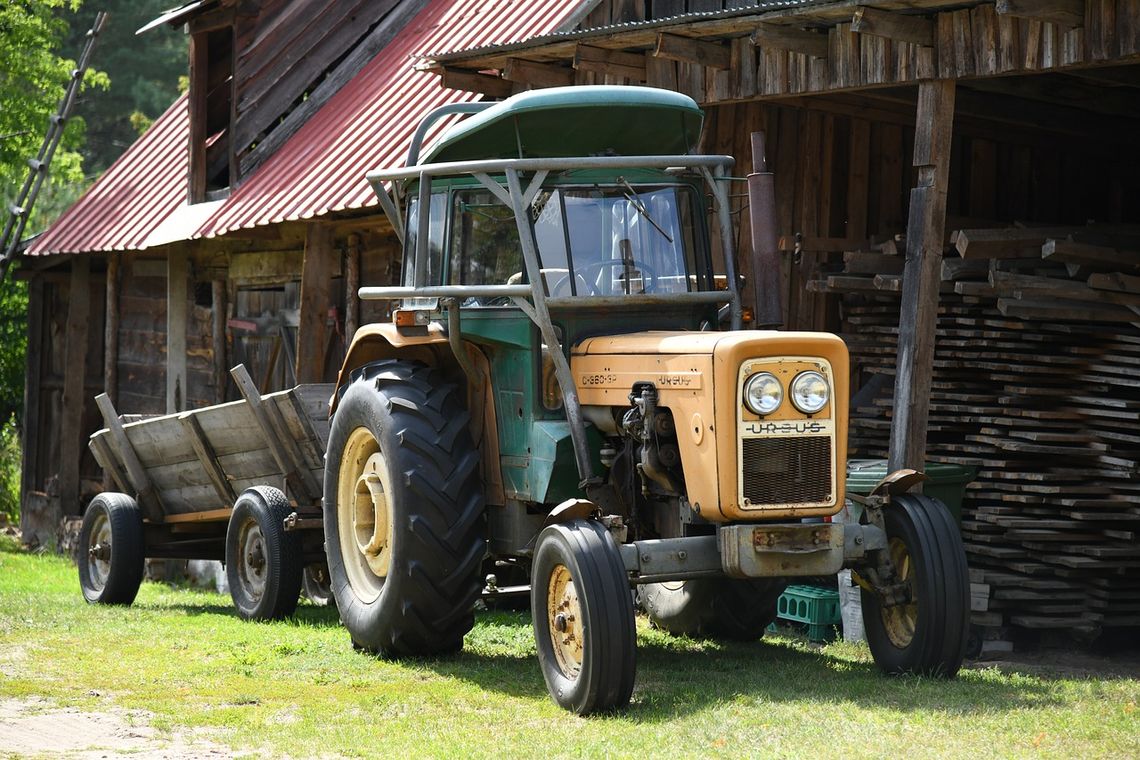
[(99, 552), (564, 611), (899, 620), (252, 572), (364, 521)]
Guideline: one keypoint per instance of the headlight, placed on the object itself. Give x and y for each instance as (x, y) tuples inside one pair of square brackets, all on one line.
[(810, 392), (763, 393)]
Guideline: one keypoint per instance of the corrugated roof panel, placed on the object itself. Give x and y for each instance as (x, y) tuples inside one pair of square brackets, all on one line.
[(132, 198), (321, 168), (369, 123)]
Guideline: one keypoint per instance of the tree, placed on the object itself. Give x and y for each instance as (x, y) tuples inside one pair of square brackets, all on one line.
[(32, 81), (144, 70), (33, 77)]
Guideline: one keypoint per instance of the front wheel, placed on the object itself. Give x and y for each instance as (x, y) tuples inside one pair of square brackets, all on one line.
[(927, 633), (403, 511), (263, 560), (111, 550), (583, 617)]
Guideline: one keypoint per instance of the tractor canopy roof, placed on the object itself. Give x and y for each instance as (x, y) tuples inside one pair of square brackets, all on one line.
[(575, 121)]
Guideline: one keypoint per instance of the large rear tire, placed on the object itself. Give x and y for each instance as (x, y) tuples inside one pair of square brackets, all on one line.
[(403, 511), (111, 550), (725, 608), (928, 634), (583, 618), (263, 560)]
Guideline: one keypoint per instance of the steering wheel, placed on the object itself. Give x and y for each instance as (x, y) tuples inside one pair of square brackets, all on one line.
[(587, 274)]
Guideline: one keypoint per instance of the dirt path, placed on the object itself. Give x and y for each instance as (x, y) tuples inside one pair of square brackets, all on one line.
[(35, 726)]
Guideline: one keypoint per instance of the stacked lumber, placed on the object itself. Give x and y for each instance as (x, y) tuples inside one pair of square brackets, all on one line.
[(1035, 384)]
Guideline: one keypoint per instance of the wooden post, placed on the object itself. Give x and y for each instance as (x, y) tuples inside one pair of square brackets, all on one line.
[(148, 498), (317, 272), (75, 371), (176, 275), (351, 287), (111, 345), (33, 376), (111, 329), (922, 272), (218, 338)]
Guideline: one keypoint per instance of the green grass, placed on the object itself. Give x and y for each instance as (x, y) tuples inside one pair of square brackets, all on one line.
[(298, 688)]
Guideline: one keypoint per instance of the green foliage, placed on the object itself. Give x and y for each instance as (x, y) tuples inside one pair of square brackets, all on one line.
[(33, 77), (144, 71), (10, 470)]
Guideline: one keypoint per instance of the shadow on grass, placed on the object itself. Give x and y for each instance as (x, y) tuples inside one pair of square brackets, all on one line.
[(678, 675), (309, 615)]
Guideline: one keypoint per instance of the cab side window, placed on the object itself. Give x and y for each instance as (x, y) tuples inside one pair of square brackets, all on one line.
[(484, 246)]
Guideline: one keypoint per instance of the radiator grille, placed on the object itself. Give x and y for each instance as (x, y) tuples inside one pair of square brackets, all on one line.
[(787, 470)]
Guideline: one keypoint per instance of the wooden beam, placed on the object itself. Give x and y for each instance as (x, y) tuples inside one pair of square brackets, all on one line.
[(207, 458), (617, 63), (282, 447), (922, 274), (797, 40), (111, 328), (351, 287), (895, 26), (105, 456), (148, 498), (317, 271), (1067, 13), (71, 431), (674, 47), (33, 376), (177, 273), (199, 89), (472, 81), (536, 74), (218, 337)]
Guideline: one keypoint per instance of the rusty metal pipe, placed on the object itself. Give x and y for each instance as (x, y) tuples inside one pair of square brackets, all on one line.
[(765, 248)]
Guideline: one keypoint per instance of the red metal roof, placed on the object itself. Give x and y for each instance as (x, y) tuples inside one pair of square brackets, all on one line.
[(136, 194), (321, 168)]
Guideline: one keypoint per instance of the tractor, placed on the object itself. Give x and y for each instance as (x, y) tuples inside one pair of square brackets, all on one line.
[(565, 401)]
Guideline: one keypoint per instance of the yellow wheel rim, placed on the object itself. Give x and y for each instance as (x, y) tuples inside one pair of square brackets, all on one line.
[(364, 520), (564, 613), (899, 620)]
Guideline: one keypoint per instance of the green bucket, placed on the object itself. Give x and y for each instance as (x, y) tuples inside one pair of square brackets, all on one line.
[(947, 482)]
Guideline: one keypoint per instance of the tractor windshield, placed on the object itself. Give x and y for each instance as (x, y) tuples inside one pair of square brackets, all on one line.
[(595, 240)]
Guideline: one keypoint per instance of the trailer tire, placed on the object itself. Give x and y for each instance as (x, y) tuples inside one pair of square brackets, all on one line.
[(112, 550), (263, 560), (724, 608), (583, 617), (927, 636), (403, 511)]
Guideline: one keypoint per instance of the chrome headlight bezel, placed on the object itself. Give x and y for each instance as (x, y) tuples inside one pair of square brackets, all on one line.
[(801, 399), (753, 383)]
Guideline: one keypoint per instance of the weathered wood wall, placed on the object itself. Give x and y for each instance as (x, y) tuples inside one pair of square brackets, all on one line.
[(843, 177)]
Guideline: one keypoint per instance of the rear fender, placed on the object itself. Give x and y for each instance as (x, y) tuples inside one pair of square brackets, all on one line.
[(379, 341)]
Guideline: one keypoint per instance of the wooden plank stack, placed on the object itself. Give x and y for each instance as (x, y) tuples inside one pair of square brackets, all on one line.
[(1035, 383)]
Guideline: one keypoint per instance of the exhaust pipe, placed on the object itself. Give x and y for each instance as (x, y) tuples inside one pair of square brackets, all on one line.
[(769, 311)]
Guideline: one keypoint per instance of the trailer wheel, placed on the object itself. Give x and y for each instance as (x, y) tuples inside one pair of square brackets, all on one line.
[(928, 634), (112, 550), (727, 608), (583, 617), (263, 560), (403, 511)]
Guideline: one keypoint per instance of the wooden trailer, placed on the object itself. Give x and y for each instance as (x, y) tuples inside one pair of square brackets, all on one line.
[(239, 482)]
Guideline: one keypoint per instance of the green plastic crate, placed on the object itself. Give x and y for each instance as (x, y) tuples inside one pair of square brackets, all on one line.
[(816, 607)]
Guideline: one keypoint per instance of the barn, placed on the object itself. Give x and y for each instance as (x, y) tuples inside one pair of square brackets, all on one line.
[(957, 195)]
